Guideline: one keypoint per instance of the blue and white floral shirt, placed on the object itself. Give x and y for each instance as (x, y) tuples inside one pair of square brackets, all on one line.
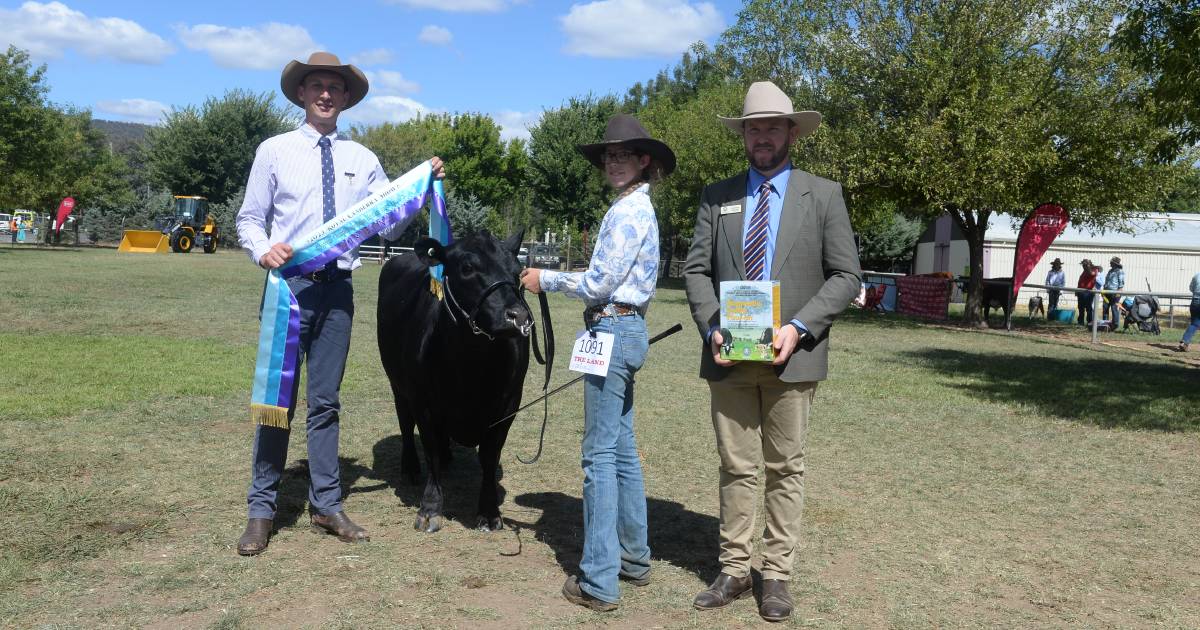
[(624, 265)]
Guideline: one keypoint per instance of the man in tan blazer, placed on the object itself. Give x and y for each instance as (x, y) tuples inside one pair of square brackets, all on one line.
[(772, 222)]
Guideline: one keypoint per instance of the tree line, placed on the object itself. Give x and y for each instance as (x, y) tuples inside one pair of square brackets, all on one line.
[(970, 107)]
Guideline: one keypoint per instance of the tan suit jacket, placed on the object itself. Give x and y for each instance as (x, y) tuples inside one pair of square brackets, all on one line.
[(815, 261)]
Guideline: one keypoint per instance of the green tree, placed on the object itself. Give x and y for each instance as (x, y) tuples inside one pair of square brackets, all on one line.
[(705, 150), (467, 214), (47, 153), (400, 147), (564, 184), (208, 150), (1163, 38), (971, 108)]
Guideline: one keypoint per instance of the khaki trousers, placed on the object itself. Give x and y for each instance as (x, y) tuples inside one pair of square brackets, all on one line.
[(760, 419)]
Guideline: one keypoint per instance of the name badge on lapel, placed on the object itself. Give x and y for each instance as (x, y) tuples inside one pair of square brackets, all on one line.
[(733, 209)]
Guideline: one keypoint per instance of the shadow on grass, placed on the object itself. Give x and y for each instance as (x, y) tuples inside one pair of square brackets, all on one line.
[(460, 479), (1107, 392), (680, 537), (292, 498)]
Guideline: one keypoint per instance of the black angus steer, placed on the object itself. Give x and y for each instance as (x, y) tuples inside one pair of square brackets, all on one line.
[(457, 364), (997, 293)]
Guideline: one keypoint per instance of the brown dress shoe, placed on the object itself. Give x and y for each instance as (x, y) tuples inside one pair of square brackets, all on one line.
[(724, 590), (576, 595), (339, 525), (776, 601), (254, 540)]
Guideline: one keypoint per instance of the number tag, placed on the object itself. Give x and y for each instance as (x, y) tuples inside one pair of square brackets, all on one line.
[(590, 355)]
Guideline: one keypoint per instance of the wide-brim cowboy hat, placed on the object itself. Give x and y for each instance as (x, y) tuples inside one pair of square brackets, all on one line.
[(294, 73), (1115, 261), (625, 129), (1056, 261), (765, 100)]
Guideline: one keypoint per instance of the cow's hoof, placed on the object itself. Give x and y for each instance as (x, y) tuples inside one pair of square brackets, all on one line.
[(428, 524), (485, 524)]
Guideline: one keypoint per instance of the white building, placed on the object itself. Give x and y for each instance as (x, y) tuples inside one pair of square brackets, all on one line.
[(1162, 249)]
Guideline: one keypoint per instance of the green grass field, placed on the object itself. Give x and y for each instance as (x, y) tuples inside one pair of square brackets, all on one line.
[(956, 478)]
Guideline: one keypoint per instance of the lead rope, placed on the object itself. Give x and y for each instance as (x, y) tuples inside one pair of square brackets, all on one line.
[(548, 361)]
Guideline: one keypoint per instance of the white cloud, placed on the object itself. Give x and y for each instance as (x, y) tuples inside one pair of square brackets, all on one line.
[(638, 28), (268, 47), (390, 82), (380, 109), (46, 30), (135, 109), (515, 124), (435, 35), (373, 57), (456, 6)]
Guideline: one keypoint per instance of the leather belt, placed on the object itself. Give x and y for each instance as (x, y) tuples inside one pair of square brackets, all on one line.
[(612, 309), (326, 275)]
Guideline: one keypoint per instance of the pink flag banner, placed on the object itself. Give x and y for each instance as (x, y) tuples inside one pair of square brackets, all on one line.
[(1038, 231)]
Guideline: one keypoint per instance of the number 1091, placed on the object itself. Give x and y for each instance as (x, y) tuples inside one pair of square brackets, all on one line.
[(588, 345)]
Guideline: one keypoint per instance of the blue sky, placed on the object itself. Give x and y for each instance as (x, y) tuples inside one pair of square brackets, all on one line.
[(510, 59)]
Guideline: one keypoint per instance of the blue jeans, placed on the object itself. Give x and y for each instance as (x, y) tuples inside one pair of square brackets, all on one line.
[(1112, 309), (614, 497), (326, 313), (1195, 325)]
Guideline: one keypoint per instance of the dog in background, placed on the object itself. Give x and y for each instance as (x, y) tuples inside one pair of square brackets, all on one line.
[(1036, 306)]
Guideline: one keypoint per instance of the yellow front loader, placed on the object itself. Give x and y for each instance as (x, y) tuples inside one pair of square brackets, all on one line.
[(191, 224)]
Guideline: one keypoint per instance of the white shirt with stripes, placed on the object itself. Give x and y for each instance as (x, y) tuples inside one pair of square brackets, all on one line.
[(283, 193)]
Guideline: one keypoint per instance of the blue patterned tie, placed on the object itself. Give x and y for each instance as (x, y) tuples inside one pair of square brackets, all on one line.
[(328, 209), (755, 250)]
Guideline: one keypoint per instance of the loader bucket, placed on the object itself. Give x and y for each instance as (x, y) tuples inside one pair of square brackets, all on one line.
[(144, 242)]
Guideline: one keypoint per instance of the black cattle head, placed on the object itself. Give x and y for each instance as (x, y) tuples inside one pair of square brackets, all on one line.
[(481, 284)]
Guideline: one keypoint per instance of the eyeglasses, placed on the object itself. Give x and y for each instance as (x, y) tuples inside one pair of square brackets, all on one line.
[(617, 157)]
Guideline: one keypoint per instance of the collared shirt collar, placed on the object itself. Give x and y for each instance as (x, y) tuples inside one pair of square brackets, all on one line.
[(778, 181), (311, 133)]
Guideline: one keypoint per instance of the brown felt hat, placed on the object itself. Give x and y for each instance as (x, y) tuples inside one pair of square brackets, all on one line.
[(625, 129), (765, 100), (294, 73)]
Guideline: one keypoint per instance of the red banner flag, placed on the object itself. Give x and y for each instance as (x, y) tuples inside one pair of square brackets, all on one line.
[(64, 210), (1037, 233)]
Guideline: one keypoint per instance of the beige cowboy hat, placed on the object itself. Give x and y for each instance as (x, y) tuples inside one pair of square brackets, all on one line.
[(765, 100), (625, 129), (294, 73)]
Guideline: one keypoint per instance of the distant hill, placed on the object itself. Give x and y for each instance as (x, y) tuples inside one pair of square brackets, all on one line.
[(122, 135)]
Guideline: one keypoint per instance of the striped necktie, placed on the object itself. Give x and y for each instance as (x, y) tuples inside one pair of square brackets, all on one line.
[(328, 209), (755, 250)]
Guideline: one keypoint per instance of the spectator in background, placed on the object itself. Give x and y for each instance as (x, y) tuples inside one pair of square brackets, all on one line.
[(1114, 281), (1087, 280), (1055, 278), (12, 229), (1194, 287)]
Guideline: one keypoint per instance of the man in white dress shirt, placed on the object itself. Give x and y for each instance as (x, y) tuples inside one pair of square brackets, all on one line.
[(300, 180)]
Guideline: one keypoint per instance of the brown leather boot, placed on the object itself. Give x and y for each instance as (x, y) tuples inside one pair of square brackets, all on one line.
[(339, 525), (256, 537), (723, 591), (776, 601)]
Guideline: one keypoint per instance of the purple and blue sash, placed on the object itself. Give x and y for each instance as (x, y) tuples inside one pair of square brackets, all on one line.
[(279, 332)]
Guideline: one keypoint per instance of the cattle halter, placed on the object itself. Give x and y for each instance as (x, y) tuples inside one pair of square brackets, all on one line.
[(452, 304)]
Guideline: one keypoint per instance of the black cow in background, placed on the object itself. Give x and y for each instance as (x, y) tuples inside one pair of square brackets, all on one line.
[(997, 292), (458, 364)]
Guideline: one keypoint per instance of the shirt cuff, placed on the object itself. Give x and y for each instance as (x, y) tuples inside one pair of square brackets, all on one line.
[(798, 324), (546, 279), (709, 334), (258, 250)]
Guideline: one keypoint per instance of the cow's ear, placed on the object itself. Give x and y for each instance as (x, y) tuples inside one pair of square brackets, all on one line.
[(430, 251), (513, 243)]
